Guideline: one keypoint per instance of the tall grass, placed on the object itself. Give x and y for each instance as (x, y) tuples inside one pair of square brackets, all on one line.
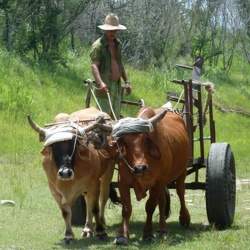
[(35, 221), (43, 92)]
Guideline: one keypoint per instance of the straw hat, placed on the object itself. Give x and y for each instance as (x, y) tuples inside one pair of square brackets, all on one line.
[(112, 23)]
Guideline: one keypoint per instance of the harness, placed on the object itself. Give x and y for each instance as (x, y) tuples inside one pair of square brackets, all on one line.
[(127, 126), (121, 156), (67, 131)]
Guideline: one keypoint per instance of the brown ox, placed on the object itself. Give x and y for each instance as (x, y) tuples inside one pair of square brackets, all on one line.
[(150, 161), (74, 168)]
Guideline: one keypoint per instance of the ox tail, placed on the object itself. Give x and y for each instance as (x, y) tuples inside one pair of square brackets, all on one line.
[(168, 202), (113, 195)]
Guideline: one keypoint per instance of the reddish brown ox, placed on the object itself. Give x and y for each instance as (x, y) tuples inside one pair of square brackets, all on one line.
[(150, 161), (74, 168)]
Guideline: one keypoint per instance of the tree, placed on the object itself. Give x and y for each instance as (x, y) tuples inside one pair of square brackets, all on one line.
[(157, 33), (39, 25)]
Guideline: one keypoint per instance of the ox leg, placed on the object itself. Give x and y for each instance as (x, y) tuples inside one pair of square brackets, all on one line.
[(150, 208), (162, 227), (123, 236), (88, 227), (105, 186), (66, 213), (92, 205), (184, 217)]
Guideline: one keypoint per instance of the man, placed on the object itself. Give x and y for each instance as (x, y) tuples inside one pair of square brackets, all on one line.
[(107, 66)]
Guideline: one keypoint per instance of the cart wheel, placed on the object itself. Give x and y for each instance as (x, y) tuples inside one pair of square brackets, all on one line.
[(220, 186), (79, 212)]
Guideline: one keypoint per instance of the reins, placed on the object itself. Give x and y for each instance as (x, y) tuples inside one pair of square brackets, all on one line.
[(93, 93)]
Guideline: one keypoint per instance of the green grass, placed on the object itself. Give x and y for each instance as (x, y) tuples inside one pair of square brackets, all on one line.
[(35, 221)]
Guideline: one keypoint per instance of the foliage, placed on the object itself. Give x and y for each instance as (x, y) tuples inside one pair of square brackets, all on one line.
[(39, 26), (157, 34)]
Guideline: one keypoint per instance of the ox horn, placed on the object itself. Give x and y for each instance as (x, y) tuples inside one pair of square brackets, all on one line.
[(157, 117), (104, 127), (37, 128), (89, 128)]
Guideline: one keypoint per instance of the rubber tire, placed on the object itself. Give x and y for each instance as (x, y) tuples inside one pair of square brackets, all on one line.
[(79, 212), (220, 186)]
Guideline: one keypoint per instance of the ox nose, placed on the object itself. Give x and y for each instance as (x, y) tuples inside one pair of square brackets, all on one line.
[(140, 169), (65, 174)]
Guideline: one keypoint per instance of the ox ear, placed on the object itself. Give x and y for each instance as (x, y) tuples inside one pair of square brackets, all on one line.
[(46, 151), (46, 157), (153, 150), (84, 153)]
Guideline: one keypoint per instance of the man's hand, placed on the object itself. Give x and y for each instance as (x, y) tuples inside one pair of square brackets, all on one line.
[(128, 88), (103, 87)]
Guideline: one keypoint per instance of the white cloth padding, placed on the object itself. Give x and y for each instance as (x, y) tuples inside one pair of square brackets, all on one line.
[(63, 133), (56, 130), (130, 125), (60, 136)]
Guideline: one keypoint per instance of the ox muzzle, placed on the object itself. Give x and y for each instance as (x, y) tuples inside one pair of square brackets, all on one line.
[(140, 170), (65, 172), (64, 157)]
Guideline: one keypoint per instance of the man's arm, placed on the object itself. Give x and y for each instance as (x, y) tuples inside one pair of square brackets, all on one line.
[(96, 74), (127, 82)]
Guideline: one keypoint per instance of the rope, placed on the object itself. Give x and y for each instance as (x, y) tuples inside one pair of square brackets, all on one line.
[(95, 99), (142, 113), (121, 156), (110, 104), (74, 148), (179, 99)]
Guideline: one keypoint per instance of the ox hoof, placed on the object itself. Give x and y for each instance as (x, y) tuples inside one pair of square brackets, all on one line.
[(101, 236), (184, 221), (162, 234), (120, 240), (149, 239), (68, 241), (86, 234), (184, 224)]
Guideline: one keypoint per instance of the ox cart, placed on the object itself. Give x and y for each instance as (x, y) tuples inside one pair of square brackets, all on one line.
[(217, 166), (220, 174)]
